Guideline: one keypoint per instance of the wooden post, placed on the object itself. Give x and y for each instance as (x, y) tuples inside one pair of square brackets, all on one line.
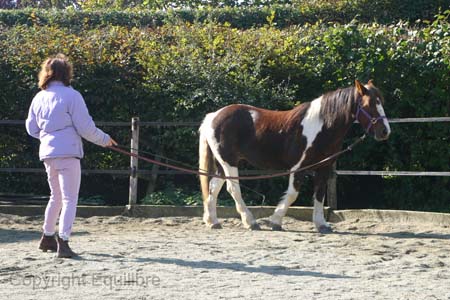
[(134, 161), (332, 189)]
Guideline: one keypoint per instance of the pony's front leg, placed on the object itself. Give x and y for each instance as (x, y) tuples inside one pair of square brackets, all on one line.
[(276, 220), (210, 205), (320, 183), (234, 189)]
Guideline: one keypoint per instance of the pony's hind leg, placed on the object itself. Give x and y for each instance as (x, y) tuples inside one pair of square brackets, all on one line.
[(210, 205), (234, 189), (286, 201), (320, 181)]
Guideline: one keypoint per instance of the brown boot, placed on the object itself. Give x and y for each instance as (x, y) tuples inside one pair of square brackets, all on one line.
[(48, 243), (64, 250)]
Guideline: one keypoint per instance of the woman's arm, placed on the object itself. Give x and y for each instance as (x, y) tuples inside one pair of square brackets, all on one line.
[(31, 123), (84, 124)]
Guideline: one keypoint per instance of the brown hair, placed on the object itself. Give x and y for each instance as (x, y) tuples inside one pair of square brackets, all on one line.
[(56, 68)]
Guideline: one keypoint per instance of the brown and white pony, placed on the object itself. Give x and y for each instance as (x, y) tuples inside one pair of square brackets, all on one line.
[(284, 140)]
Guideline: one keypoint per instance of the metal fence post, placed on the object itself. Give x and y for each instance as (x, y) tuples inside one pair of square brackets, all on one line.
[(134, 161), (332, 189)]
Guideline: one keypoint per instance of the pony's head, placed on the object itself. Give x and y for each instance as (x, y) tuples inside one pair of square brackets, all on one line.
[(369, 112)]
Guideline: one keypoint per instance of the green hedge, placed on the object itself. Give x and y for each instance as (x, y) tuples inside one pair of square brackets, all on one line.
[(381, 11), (180, 72)]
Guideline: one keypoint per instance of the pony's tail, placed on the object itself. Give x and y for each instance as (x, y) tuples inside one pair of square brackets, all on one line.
[(206, 165)]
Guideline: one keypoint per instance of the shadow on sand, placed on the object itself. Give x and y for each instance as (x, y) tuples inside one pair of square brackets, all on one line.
[(395, 235), (240, 267), (20, 235)]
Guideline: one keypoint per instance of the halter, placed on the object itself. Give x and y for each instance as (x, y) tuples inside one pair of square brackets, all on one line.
[(373, 120)]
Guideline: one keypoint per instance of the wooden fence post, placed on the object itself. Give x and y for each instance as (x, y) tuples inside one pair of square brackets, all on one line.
[(332, 189), (132, 200)]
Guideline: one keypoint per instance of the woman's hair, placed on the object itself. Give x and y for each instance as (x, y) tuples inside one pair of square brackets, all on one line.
[(56, 68)]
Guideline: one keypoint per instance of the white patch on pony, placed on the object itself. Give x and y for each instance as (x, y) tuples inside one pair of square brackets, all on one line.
[(235, 190), (210, 212), (318, 217), (312, 125), (381, 112), (282, 207), (254, 115), (207, 130)]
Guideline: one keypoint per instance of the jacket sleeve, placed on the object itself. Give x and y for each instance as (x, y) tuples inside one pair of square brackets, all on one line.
[(31, 123), (84, 124)]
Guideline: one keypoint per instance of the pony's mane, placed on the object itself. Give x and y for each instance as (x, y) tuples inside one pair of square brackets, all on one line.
[(336, 106)]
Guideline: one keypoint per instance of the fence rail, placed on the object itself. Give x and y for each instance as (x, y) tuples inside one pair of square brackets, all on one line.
[(133, 171), (171, 124)]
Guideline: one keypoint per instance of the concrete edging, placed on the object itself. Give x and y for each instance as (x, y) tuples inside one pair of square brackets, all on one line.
[(393, 216), (82, 211), (297, 212), (157, 211)]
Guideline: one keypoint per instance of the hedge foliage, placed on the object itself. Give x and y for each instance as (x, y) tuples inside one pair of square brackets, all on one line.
[(342, 11), (180, 71)]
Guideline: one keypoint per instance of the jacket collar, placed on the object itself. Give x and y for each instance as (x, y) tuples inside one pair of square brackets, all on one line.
[(56, 83)]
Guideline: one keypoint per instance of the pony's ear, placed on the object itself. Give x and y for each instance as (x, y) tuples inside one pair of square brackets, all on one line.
[(360, 88), (370, 82)]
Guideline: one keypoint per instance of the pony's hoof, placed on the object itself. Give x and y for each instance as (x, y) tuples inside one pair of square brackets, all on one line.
[(325, 229), (276, 227), (216, 226), (255, 226)]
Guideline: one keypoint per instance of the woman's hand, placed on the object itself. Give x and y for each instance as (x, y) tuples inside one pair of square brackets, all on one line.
[(111, 142)]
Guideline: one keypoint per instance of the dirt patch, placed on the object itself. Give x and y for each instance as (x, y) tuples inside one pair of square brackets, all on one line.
[(178, 258)]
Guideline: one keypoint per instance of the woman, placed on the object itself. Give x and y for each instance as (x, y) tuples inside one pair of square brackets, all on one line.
[(59, 118)]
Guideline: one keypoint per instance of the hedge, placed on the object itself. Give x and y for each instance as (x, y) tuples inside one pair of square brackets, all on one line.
[(381, 11), (179, 72)]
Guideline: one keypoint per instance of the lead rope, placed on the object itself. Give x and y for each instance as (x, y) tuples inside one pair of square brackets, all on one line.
[(205, 173), (263, 197)]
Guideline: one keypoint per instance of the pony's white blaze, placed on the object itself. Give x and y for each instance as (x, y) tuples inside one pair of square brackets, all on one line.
[(381, 112)]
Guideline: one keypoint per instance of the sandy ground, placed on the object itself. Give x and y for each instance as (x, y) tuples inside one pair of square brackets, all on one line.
[(178, 258)]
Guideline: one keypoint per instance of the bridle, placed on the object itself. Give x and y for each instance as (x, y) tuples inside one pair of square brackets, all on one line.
[(372, 119)]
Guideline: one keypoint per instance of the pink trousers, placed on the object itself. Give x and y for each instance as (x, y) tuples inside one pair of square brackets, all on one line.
[(64, 177)]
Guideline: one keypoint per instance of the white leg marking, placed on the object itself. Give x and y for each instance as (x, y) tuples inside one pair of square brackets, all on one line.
[(234, 189), (286, 201), (318, 217), (210, 209)]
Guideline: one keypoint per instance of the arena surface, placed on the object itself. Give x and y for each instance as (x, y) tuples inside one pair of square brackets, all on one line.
[(178, 258)]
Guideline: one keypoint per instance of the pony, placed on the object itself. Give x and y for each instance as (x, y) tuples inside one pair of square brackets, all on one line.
[(283, 140)]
